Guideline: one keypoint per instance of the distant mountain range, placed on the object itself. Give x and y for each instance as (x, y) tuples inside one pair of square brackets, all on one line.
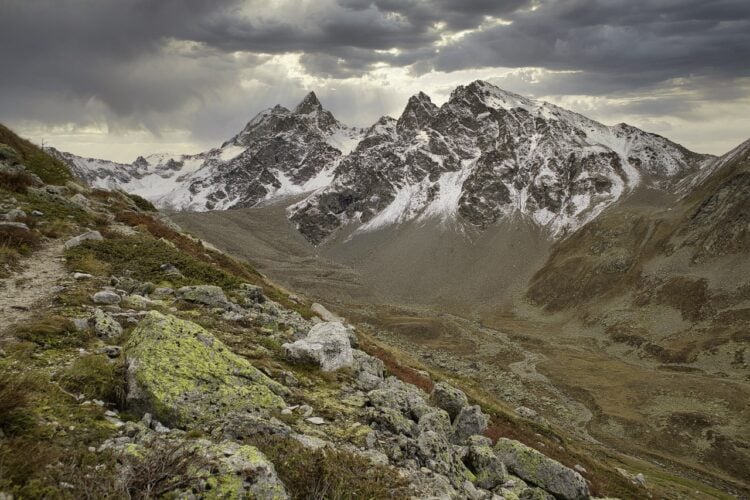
[(483, 156)]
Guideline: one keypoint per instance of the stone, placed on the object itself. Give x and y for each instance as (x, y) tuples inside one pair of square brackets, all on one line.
[(106, 297), (82, 276), (325, 314), (15, 214), (77, 240), (37, 213), (105, 326), (448, 398), (525, 412), (112, 351), (369, 370), (14, 225), (253, 293), (137, 302), (161, 293), (327, 345), (208, 295), (484, 463), (436, 420), (540, 470), (171, 271), (185, 376), (315, 420), (469, 422)]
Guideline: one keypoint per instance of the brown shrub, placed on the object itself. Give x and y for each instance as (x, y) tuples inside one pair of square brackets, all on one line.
[(15, 398), (18, 238), (18, 182)]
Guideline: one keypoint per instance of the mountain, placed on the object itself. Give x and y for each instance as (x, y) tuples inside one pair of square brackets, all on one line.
[(484, 156), (279, 152)]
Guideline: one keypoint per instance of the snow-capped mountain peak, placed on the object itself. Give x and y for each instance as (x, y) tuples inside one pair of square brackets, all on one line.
[(484, 155)]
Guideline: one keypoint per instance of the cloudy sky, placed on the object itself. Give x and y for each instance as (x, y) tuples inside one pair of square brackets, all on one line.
[(118, 78)]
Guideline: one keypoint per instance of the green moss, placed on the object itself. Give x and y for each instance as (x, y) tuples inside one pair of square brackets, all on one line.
[(187, 376)]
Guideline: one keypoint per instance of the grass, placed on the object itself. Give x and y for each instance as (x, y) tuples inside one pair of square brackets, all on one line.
[(15, 399), (328, 473), (96, 377), (52, 332), (16, 182), (49, 169)]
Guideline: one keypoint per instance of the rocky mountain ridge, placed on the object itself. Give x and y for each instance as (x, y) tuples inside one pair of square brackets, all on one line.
[(484, 155)]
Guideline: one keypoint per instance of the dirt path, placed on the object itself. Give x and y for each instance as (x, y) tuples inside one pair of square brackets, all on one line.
[(23, 292)]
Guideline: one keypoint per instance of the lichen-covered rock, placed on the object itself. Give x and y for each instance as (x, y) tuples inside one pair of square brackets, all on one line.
[(405, 398), (369, 370), (184, 376), (448, 398), (436, 420), (540, 470), (437, 454), (469, 422), (105, 326), (77, 240), (208, 295), (138, 302), (243, 472), (484, 463), (391, 420), (106, 297), (253, 293), (327, 345)]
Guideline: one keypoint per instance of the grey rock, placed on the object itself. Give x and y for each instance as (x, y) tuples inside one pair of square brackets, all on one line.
[(369, 370), (469, 422), (82, 276), (540, 470), (485, 464), (448, 398), (161, 293), (437, 421), (37, 213), (112, 351), (105, 326), (327, 345), (15, 214), (77, 240), (14, 225), (315, 420), (253, 293), (208, 295), (106, 297)]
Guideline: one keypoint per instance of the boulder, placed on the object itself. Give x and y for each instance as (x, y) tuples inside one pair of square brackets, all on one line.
[(15, 214), (14, 225), (327, 345), (106, 297), (484, 463), (469, 422), (209, 295), (137, 302), (162, 293), (253, 293), (184, 376), (77, 240), (540, 470), (325, 314), (369, 370), (448, 398), (105, 326), (436, 420)]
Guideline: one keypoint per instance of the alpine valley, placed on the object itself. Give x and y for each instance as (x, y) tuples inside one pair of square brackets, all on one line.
[(594, 279)]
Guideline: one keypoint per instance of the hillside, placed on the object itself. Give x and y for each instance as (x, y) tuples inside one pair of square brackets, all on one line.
[(139, 362)]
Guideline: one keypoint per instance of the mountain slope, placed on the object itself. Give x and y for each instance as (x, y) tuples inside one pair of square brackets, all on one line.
[(279, 152)]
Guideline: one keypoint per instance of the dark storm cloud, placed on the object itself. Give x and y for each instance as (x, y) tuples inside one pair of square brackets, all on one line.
[(625, 43), (144, 62)]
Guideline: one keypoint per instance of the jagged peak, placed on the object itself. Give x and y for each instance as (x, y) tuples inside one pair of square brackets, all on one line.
[(418, 111), (310, 104)]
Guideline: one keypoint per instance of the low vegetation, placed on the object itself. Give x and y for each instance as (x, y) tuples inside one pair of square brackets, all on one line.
[(328, 473), (96, 377), (49, 169)]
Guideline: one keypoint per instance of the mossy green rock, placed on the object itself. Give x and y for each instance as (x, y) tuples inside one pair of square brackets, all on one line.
[(184, 376), (540, 470)]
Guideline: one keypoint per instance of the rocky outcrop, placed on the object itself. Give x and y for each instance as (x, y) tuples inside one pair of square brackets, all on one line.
[(540, 470), (184, 376), (208, 295), (327, 345), (448, 398)]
